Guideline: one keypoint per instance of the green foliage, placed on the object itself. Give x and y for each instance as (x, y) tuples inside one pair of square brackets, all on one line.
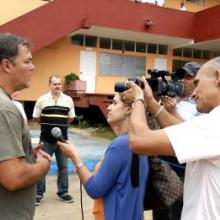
[(79, 118), (71, 77), (104, 132), (82, 123), (85, 124)]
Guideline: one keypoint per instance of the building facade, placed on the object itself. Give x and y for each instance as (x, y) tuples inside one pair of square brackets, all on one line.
[(107, 41)]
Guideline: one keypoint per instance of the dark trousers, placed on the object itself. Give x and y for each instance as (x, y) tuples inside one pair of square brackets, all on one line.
[(62, 178)]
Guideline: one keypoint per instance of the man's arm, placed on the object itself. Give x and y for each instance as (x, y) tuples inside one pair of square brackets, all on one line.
[(170, 105), (71, 113), (16, 173), (37, 120), (163, 117), (141, 139), (70, 120), (37, 112)]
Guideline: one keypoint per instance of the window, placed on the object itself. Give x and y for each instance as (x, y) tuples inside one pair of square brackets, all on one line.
[(77, 39), (162, 49), (105, 43), (206, 55), (121, 65), (90, 41), (197, 1), (140, 47), (129, 45), (216, 54), (197, 54), (178, 52), (117, 44), (152, 48), (178, 64), (187, 52)]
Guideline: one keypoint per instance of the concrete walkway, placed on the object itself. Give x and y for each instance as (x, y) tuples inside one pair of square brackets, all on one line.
[(51, 208)]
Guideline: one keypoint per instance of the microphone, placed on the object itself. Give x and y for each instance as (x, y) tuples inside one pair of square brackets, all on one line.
[(56, 133)]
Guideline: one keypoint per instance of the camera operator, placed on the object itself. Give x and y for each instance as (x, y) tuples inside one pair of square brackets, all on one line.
[(183, 108), (195, 142)]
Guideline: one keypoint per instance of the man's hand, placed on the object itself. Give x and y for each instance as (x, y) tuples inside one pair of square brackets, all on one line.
[(148, 93), (134, 92), (40, 154), (169, 103)]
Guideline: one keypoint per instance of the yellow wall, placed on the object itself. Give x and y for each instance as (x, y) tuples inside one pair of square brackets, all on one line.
[(105, 84), (190, 6), (11, 9), (62, 58)]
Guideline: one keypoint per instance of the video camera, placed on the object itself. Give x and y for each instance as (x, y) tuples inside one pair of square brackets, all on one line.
[(158, 83)]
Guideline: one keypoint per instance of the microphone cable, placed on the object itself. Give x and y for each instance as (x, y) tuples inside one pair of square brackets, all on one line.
[(81, 201), (57, 133)]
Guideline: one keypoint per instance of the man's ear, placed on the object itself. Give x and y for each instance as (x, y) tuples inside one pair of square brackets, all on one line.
[(6, 65), (218, 76)]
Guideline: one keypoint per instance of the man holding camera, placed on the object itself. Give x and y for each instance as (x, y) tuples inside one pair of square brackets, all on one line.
[(195, 142), (183, 108)]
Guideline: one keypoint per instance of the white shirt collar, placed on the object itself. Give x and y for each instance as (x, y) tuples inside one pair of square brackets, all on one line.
[(50, 94)]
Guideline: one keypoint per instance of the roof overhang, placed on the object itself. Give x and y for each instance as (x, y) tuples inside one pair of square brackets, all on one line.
[(172, 42), (174, 28), (211, 45)]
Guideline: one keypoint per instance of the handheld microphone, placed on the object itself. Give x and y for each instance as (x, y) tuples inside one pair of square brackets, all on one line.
[(56, 132)]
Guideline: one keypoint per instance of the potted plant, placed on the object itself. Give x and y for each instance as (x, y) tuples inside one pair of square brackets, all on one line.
[(73, 83), (71, 77)]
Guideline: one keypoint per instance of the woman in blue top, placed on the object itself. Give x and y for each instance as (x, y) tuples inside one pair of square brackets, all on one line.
[(112, 182)]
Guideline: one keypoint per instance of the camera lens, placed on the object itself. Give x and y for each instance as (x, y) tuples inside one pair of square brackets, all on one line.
[(121, 87)]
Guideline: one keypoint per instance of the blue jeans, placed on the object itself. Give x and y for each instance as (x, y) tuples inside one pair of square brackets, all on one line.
[(62, 178)]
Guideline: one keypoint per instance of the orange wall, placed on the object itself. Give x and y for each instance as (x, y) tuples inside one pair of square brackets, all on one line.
[(105, 84), (62, 58), (11, 9), (190, 6)]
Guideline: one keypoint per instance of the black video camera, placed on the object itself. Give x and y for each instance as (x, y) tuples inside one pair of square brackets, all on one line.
[(158, 83)]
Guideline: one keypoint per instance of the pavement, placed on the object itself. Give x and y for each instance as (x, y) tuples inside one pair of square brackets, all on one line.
[(52, 208)]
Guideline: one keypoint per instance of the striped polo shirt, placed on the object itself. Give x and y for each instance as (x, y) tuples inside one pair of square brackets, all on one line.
[(53, 114)]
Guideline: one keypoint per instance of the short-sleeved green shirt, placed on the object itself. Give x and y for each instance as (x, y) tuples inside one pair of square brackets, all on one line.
[(15, 142)]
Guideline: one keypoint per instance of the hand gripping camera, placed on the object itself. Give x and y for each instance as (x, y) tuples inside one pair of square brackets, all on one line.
[(158, 83)]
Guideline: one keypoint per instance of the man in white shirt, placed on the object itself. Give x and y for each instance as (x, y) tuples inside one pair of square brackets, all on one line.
[(184, 109), (19, 105), (195, 142)]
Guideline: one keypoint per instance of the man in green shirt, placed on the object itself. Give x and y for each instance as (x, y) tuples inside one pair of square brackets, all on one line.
[(19, 170)]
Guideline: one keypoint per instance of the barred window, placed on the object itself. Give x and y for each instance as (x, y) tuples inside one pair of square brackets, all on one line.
[(121, 65)]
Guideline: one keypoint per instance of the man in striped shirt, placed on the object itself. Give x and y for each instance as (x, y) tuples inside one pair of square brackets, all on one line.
[(54, 109)]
